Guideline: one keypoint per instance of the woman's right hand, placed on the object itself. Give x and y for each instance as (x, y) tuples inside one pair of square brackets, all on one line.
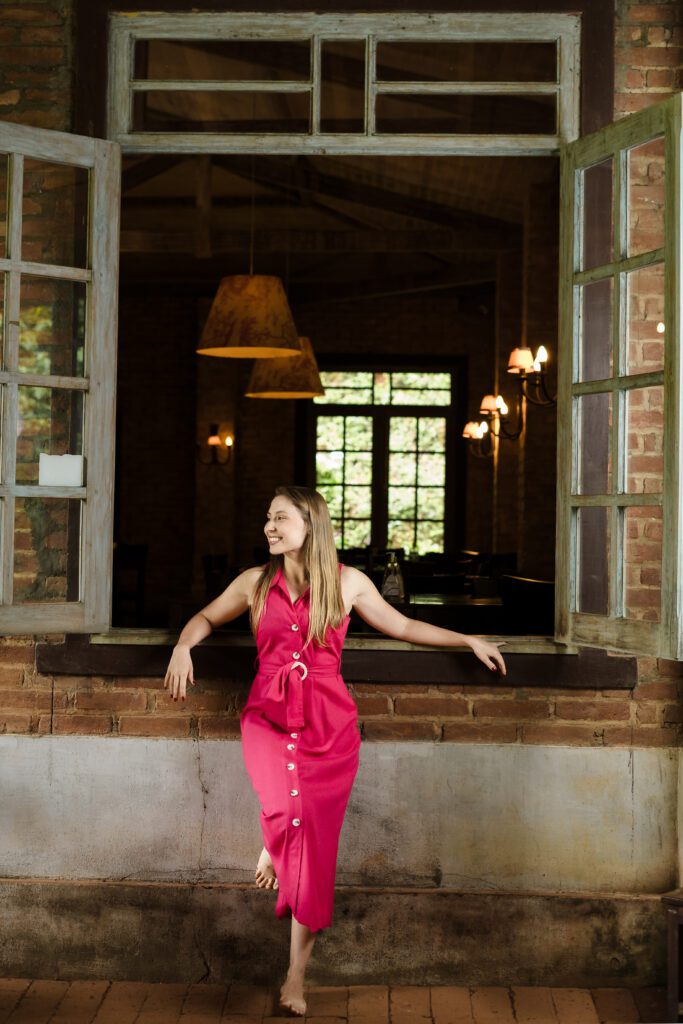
[(178, 672)]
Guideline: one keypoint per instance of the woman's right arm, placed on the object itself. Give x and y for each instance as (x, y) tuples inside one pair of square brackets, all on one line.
[(234, 600)]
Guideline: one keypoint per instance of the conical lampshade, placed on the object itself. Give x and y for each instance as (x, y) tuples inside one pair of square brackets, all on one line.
[(287, 378), (250, 319)]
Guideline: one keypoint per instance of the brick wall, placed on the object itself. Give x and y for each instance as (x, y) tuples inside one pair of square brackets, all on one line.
[(648, 52), (36, 63)]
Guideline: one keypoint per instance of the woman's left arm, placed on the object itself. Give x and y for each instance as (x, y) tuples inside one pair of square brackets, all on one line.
[(379, 614)]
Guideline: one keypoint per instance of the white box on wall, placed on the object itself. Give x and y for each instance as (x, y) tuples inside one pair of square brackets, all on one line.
[(60, 470)]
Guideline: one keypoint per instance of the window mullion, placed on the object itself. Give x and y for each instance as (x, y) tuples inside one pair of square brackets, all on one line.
[(380, 476)]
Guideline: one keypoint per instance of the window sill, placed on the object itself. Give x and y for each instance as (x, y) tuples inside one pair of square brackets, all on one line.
[(531, 661)]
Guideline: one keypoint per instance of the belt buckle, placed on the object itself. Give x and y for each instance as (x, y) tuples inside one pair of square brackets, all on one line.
[(299, 664)]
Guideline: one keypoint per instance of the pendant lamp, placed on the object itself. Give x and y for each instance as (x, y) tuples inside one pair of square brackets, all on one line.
[(250, 319), (287, 378)]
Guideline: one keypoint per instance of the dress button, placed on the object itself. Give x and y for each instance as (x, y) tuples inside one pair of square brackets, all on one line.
[(291, 746), (295, 654), (296, 821), (294, 627), (294, 792), (294, 735), (291, 767)]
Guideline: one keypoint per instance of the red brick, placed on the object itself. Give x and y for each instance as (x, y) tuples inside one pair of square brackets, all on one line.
[(36, 700), (662, 78), (648, 714), (673, 713), (87, 725), (519, 709), (390, 688), (432, 706), (139, 683), (11, 654), (10, 677), (651, 12), (498, 691), (10, 97), (196, 702), (31, 12), (656, 691), (593, 710), (614, 735), (155, 725), (672, 669), (395, 730), (374, 705), (655, 57), (634, 79), (568, 735), (214, 728), (16, 722), (110, 700), (652, 737), (32, 56), (34, 35), (475, 732)]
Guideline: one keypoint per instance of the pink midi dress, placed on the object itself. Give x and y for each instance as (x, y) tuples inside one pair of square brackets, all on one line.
[(300, 743)]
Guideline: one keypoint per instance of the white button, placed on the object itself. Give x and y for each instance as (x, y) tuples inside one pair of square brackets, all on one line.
[(291, 746), (294, 735), (294, 792), (296, 821), (294, 627), (291, 767), (295, 654)]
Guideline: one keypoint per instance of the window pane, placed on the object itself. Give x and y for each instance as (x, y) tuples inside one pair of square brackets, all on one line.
[(50, 421), (357, 502), (55, 214), (337, 528), (402, 501), (356, 533), (382, 388), (228, 60), (645, 440), (402, 468), (342, 85), (402, 434), (646, 192), (407, 114), (432, 434), (3, 204), (47, 537), (595, 463), (422, 381), (597, 215), (595, 325), (401, 534), (210, 111), (404, 396), (333, 497), (329, 467), (466, 61), (330, 433), (592, 582), (52, 326), (432, 470), (358, 469), (358, 433), (643, 562), (645, 327), (430, 502), (429, 537)]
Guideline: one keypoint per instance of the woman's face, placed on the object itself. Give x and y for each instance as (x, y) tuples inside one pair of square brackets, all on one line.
[(285, 528)]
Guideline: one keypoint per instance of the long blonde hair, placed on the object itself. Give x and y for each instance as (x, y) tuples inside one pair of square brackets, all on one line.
[(321, 568)]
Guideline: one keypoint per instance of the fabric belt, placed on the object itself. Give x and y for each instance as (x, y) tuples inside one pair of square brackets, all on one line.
[(286, 688)]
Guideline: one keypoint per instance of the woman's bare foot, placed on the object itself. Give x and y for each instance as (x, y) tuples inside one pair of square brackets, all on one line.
[(292, 992), (265, 873)]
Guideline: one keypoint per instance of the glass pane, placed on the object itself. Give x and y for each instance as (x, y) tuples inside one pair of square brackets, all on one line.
[(357, 502), (645, 440), (338, 533), (401, 534), (333, 497), (356, 533), (595, 311), (402, 434), (3, 204), (50, 421), (645, 327), (382, 388), (402, 501), (427, 61), (432, 470), (432, 434), (429, 537), (358, 433), (595, 464), (342, 85), (358, 469), (592, 575), (329, 468), (422, 381), (52, 326), (597, 215), (643, 562), (407, 114), (232, 60), (47, 540), (330, 433), (402, 468), (210, 111), (55, 214), (646, 191), (430, 502)]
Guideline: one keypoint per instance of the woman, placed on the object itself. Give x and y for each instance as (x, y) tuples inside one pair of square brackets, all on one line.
[(300, 739)]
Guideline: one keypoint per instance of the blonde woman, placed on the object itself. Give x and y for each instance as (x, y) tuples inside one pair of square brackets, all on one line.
[(300, 737)]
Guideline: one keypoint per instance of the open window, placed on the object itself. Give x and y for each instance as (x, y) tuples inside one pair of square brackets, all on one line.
[(619, 412), (59, 262)]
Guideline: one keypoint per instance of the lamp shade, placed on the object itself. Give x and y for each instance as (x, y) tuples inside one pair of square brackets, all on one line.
[(295, 377), (521, 360), (250, 319), (488, 404)]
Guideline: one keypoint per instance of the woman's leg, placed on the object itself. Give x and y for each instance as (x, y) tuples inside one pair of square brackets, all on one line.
[(300, 948)]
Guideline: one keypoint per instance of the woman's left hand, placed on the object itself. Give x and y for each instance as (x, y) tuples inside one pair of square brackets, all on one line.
[(488, 653)]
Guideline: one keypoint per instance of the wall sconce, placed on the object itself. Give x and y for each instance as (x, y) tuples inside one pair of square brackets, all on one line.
[(215, 451), (480, 437), (530, 372)]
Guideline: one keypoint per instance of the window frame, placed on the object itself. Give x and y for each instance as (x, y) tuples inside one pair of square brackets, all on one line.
[(662, 638), (456, 478)]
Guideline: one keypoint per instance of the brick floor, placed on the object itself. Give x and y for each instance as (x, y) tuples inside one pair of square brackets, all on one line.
[(25, 1001)]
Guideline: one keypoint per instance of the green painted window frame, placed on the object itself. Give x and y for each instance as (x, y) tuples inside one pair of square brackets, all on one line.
[(612, 630)]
